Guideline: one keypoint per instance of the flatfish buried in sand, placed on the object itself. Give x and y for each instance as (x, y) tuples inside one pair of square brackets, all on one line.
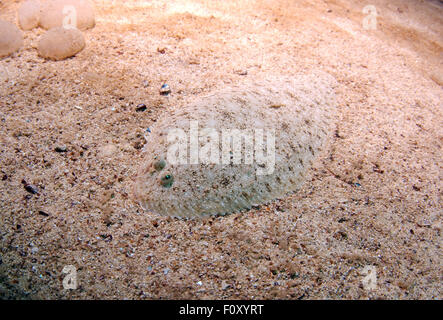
[(241, 146)]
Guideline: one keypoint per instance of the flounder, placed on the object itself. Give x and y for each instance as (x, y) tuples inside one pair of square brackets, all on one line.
[(238, 147)]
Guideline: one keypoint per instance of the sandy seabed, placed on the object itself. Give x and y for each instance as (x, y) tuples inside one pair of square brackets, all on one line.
[(374, 198)]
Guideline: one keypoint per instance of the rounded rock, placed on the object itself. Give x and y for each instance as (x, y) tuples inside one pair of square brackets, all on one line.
[(29, 14), (11, 38), (60, 43), (75, 13)]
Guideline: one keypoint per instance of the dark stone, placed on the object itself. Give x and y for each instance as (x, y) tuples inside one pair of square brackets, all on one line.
[(42, 213), (60, 149), (165, 89), (30, 188), (140, 108)]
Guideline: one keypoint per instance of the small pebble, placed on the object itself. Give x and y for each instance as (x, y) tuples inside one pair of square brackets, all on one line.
[(138, 144), (224, 285), (106, 237), (199, 283), (42, 213), (60, 149), (424, 223), (31, 189), (140, 108), (241, 72), (165, 89), (145, 83)]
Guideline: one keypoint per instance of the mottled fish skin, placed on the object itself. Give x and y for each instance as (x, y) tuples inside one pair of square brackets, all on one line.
[(299, 109)]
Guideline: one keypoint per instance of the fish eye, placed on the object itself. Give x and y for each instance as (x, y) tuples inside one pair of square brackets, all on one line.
[(159, 165), (167, 180)]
